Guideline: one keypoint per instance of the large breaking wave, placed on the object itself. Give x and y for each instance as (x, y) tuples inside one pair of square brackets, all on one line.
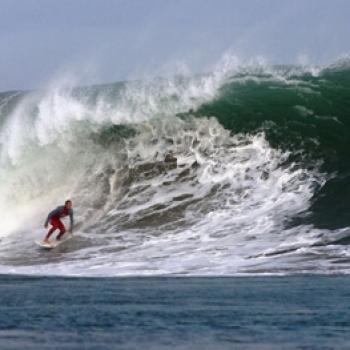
[(241, 171)]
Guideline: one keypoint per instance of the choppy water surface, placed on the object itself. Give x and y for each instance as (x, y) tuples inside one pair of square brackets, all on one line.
[(309, 312)]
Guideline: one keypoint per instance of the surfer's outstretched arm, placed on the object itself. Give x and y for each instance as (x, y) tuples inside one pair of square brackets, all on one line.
[(71, 218)]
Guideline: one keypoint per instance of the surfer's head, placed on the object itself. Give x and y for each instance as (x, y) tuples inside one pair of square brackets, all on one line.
[(68, 204)]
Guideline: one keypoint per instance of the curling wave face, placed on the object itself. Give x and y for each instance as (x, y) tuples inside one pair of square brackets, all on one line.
[(218, 174)]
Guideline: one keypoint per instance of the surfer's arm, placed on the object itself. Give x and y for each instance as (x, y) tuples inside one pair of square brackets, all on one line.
[(71, 217)]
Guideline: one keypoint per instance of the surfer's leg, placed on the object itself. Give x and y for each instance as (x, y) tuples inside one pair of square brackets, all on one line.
[(51, 231), (62, 230), (55, 226)]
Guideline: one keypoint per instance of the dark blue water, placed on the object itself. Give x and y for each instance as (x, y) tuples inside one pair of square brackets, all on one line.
[(300, 312)]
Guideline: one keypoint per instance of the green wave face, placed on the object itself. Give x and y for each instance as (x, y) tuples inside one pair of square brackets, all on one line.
[(306, 114)]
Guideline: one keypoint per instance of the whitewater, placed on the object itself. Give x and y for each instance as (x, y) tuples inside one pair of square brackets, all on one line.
[(241, 171)]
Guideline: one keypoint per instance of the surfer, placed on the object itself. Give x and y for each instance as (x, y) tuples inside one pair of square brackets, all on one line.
[(54, 219)]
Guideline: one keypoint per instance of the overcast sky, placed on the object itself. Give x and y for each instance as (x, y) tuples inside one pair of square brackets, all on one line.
[(110, 40)]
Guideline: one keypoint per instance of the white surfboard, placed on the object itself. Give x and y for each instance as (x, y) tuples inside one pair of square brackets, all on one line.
[(52, 243)]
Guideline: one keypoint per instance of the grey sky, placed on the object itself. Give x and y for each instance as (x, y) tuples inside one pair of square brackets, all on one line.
[(109, 40)]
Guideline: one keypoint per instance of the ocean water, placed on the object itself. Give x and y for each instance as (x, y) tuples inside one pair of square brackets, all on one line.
[(212, 211), (290, 312)]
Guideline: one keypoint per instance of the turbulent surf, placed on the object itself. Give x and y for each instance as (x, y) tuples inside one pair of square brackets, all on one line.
[(244, 170)]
